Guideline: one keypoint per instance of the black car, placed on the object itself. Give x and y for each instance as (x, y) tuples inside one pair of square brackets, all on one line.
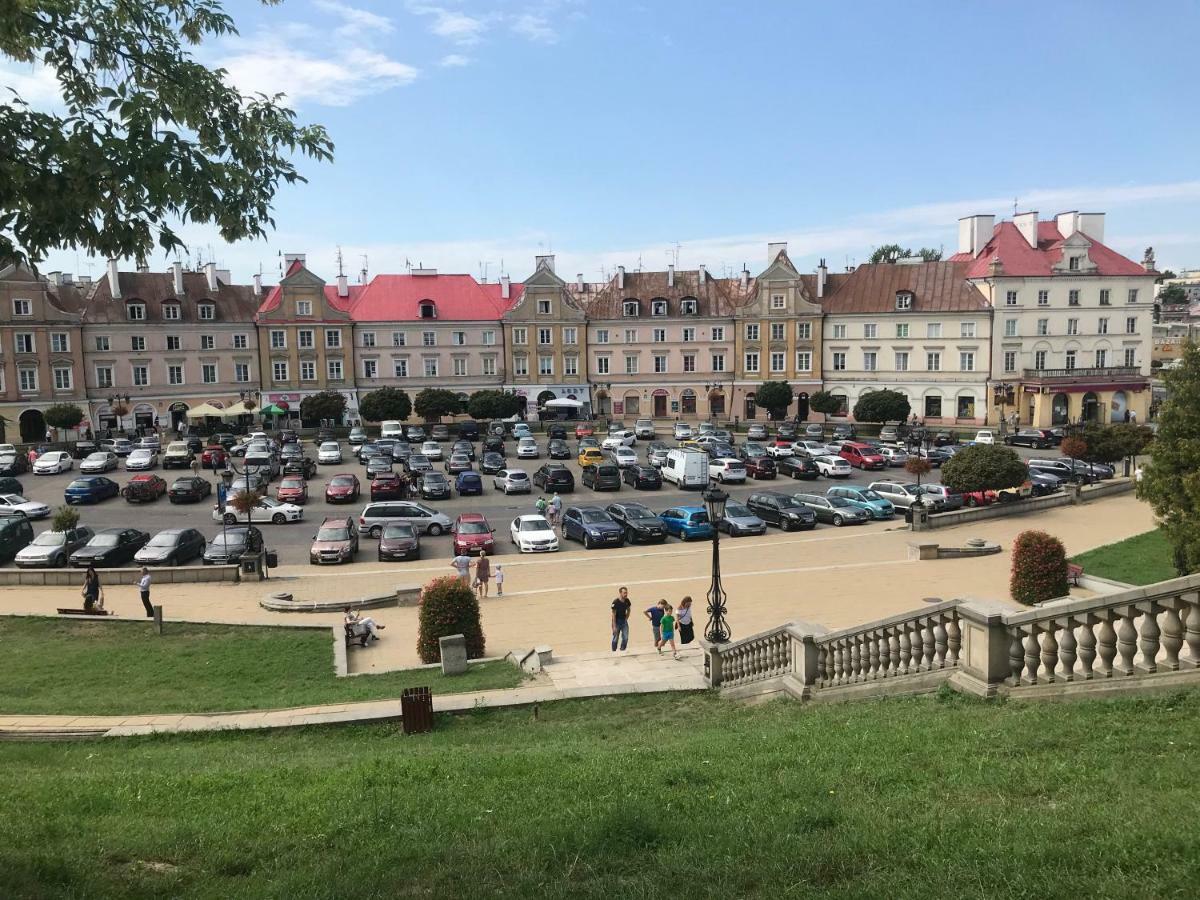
[(289, 436), (640, 477), (494, 443), (468, 430), (435, 486), (640, 522), (401, 450), (171, 547), (414, 433), (554, 477), (439, 433), (195, 445), (110, 547), (1037, 438), (232, 543), (558, 449), (935, 456), (82, 450), (399, 541), (290, 451), (592, 526), (11, 486), (780, 509), (786, 430), (300, 465), (463, 447), (556, 432), (14, 464), (844, 433), (602, 477), (189, 489), (416, 464), (377, 465), (796, 467), (492, 463)]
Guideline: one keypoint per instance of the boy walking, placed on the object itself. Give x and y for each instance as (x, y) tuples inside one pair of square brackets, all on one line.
[(655, 615), (620, 619)]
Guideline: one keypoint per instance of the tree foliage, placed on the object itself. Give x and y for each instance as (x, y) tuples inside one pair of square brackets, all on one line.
[(493, 405), (433, 403), (385, 404), (825, 403), (1074, 447), (145, 137), (448, 606), (984, 467), (243, 502), (1172, 294), (63, 415), (882, 406), (893, 252), (775, 397), (1039, 568), (65, 518), (323, 405), (918, 467)]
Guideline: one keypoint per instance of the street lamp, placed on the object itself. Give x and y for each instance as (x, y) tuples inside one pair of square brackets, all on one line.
[(717, 629), (246, 471)]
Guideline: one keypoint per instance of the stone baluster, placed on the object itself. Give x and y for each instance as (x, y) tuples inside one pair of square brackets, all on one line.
[(1107, 646), (905, 650), (873, 654), (1067, 651), (918, 647), (1126, 641), (885, 659), (1032, 655), (827, 650), (1016, 656), (1087, 649), (850, 658), (838, 663), (929, 645), (1192, 634), (953, 640), (1050, 650), (822, 660), (939, 644), (1172, 639), (894, 651), (1148, 639), (855, 659)]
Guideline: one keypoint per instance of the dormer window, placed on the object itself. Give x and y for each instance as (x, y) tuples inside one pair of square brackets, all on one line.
[(904, 300), (428, 309), (631, 308), (778, 301), (135, 312), (1073, 263), (171, 311), (207, 311), (658, 308), (304, 307), (544, 308), (689, 306)]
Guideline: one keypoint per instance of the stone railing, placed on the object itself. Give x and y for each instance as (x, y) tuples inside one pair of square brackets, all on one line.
[(757, 658), (927, 641)]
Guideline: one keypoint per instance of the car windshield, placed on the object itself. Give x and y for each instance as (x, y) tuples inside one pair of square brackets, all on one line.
[(473, 528), (838, 501), (606, 470), (292, 483), (333, 534), (534, 525), (460, 458), (638, 512), (79, 483), (232, 539), (399, 531), (166, 539), (435, 478), (342, 480), (97, 457), (104, 540), (517, 476), (50, 539), (737, 511), (869, 495), (14, 499), (329, 446), (594, 516)]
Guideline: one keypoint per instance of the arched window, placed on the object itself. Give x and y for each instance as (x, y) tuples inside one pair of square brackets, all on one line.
[(428, 309)]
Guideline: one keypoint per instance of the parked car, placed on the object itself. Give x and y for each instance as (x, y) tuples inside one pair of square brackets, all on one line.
[(90, 489), (398, 542), (329, 453), (171, 547), (16, 503), (754, 450), (189, 489), (682, 431), (623, 457), (512, 481), (638, 521), (556, 432), (985, 437), (434, 486), (900, 495), (756, 432), (779, 448), (141, 459), (144, 489), (554, 477), (814, 431), (527, 448), (388, 486), (110, 547), (425, 519), (214, 456), (656, 453), (893, 456), (787, 430), (621, 437), (335, 542), (231, 544), (586, 443), (492, 463), (834, 510), (13, 462), (782, 510), (178, 456), (602, 476), (980, 498), (292, 489), (1066, 469), (464, 447), (52, 549), (760, 468), (11, 486), (533, 534), (467, 484), (357, 436), (642, 477), (889, 434), (473, 534), (935, 455), (414, 434), (266, 510), (844, 432), (865, 499), (644, 428), (343, 488), (468, 430), (727, 470), (686, 468), (558, 449), (1037, 438), (458, 462), (97, 463), (590, 456), (1043, 483), (739, 521), (432, 451), (441, 432), (379, 465), (797, 467), (832, 466), (584, 429), (863, 456), (592, 526), (944, 499), (687, 522)]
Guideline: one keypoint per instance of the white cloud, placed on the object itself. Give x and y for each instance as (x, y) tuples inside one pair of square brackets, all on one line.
[(34, 83), (356, 22), (454, 59), (535, 27), (451, 24)]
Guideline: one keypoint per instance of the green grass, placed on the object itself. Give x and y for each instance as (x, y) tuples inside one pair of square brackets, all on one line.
[(92, 668), (1141, 559), (630, 797)]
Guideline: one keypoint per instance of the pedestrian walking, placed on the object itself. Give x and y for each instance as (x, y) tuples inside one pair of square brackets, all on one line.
[(195, 466), (683, 619), (666, 627), (555, 510), (620, 618), (144, 590), (462, 565), (483, 574), (93, 594), (655, 614), (1133, 416), (541, 505), (499, 578)]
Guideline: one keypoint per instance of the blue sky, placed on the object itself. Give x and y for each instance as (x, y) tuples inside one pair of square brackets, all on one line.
[(475, 134)]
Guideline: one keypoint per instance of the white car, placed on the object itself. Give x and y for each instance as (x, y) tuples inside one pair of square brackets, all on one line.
[(527, 448), (512, 481), (520, 430), (150, 442), (178, 456), (644, 428), (683, 431), (832, 467), (53, 462), (533, 534), (779, 451), (622, 437), (725, 470), (31, 508), (8, 450), (266, 510), (330, 453), (984, 437), (141, 459), (893, 455), (99, 462), (809, 448), (432, 451), (624, 457)]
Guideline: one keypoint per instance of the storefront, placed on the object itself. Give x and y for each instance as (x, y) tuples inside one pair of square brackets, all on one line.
[(178, 412)]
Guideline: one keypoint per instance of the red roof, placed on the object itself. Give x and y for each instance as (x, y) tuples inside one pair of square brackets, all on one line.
[(271, 301), (393, 298), (1019, 259)]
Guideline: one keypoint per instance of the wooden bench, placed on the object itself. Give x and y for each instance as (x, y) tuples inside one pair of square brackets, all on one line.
[(1074, 572), (351, 637), (83, 612)]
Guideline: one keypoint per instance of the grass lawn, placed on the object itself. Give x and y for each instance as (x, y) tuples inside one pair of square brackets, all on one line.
[(629, 797), (91, 668), (1141, 559)]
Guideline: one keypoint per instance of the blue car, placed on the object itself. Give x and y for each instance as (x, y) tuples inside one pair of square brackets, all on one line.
[(90, 489), (688, 522), (592, 526), (866, 499), (468, 483)]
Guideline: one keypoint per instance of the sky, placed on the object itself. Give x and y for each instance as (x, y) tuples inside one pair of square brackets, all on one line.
[(471, 136)]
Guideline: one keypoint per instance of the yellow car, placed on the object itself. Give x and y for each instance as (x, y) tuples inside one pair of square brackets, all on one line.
[(590, 456), (690, 445)]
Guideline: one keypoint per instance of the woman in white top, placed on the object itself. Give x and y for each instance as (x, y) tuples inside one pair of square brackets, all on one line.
[(683, 620), (144, 590)]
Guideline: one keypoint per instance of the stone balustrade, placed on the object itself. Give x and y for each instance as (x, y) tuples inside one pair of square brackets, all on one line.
[(891, 648)]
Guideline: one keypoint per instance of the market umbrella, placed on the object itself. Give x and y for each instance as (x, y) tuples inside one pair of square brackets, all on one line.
[(564, 403), (204, 410), (272, 410), (237, 409)]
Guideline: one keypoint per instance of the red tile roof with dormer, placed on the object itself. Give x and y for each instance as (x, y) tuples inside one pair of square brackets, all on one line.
[(1021, 260), (397, 298)]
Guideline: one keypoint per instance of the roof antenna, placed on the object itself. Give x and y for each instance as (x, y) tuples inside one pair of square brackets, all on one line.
[(339, 261), (1014, 207), (363, 274)]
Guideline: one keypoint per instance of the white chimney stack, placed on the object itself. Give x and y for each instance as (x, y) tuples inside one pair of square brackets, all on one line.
[(177, 277), (773, 250), (258, 285), (620, 277), (671, 276), (701, 273), (343, 284), (210, 275), (822, 277), (579, 282), (505, 287), (1068, 223), (1092, 224), (974, 232), (114, 279), (1027, 224), (745, 278)]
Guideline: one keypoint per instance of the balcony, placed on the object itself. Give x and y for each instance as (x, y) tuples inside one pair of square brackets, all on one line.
[(1112, 373)]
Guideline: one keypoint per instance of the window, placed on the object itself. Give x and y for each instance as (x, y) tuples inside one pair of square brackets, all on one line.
[(240, 342), (1070, 358), (966, 361), (1101, 358), (1130, 357), (520, 336), (901, 361), (777, 363), (278, 340), (104, 376), (489, 365), (718, 333), (1105, 297), (660, 363), (631, 335), (458, 338), (22, 307), (1132, 297), (399, 339), (400, 368), (933, 407), (174, 374), (839, 331), (208, 373), (631, 365), (839, 362), (777, 331), (966, 407), (306, 339), (1010, 360), (1010, 327), (333, 368), (902, 329), (1073, 298), (62, 378), (904, 300), (279, 371), (659, 335), (1043, 327), (333, 338), (368, 339), (689, 335), (137, 344), (27, 380), (1131, 325), (544, 336), (1043, 298), (1039, 360), (751, 362), (460, 367), (778, 301), (543, 307), (370, 368), (24, 341), (804, 331), (718, 362), (208, 342), (430, 368), (602, 365), (570, 336), (966, 329), (489, 338), (135, 312), (304, 307), (428, 338), (102, 343), (933, 362), (1010, 298), (804, 361), (870, 361), (752, 331), (689, 362), (658, 308), (170, 310), (141, 375), (933, 330), (601, 335), (630, 308), (308, 371), (870, 330), (1073, 263), (571, 365), (241, 372), (521, 367), (428, 310), (1072, 326), (1102, 325), (688, 307)]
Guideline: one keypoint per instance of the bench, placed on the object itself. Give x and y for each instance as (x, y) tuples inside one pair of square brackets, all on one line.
[(83, 612), (351, 637), (1074, 572)]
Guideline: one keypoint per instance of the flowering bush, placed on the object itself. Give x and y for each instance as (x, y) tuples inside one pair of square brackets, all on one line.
[(448, 606), (1039, 568)]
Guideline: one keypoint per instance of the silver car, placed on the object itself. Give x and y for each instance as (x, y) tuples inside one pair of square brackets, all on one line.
[(424, 519), (739, 520)]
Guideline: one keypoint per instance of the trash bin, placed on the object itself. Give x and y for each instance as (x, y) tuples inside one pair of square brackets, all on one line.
[(416, 707), (272, 559)]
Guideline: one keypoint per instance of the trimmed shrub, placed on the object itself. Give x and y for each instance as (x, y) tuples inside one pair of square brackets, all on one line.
[(1039, 568), (448, 606)]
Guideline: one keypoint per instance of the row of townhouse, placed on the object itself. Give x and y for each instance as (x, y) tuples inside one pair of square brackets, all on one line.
[(1037, 320)]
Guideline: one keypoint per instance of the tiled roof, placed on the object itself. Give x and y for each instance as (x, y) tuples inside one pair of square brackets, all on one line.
[(273, 296), (397, 298), (1021, 260), (936, 287), (234, 302), (716, 296)]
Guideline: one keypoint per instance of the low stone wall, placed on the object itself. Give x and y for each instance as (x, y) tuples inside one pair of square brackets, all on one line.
[(71, 577), (284, 602), (1024, 507)]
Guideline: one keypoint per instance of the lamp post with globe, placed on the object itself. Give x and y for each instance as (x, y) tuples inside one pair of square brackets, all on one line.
[(717, 630), (247, 471)]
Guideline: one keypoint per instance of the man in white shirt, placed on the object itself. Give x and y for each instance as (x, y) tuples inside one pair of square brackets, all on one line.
[(362, 625), (144, 590)]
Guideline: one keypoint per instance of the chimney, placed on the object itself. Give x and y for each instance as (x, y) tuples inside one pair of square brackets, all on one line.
[(258, 285), (505, 287), (289, 258), (745, 278), (544, 261), (822, 277), (701, 274), (1068, 223), (55, 278), (621, 277), (671, 276), (1148, 262), (579, 282), (1092, 224), (114, 279), (143, 269), (974, 232), (177, 277), (224, 276), (773, 250), (343, 284), (210, 275), (1027, 224)]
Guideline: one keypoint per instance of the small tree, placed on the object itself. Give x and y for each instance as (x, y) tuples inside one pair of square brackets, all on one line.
[(433, 403), (918, 467), (1039, 568), (385, 403), (882, 406), (448, 606), (775, 397), (243, 503), (493, 405), (1074, 448), (63, 415), (65, 518), (984, 467), (825, 403), (323, 405)]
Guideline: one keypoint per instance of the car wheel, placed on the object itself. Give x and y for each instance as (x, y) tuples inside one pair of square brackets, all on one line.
[(839, 521), (279, 518), (587, 541), (972, 502), (435, 530), (229, 519)]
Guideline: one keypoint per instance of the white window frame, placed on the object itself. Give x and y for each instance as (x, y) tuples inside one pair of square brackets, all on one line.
[(368, 339), (370, 368), (308, 370), (752, 331), (134, 371), (460, 367), (718, 361), (570, 336), (966, 360), (603, 365), (171, 312), (399, 368), (176, 374), (63, 383), (632, 364), (544, 308), (489, 365), (660, 363), (630, 309), (901, 361), (658, 336), (279, 371), (278, 339), (102, 343), (306, 339), (751, 361), (335, 370), (521, 366), (718, 333), (658, 308), (333, 339), (241, 372), (27, 380), (104, 376), (870, 330), (135, 312), (933, 361), (304, 307), (24, 342), (803, 360), (208, 342), (804, 331), (778, 361), (22, 307), (838, 361), (430, 367), (545, 337), (520, 336), (778, 301), (216, 373), (966, 329), (137, 343), (870, 361)]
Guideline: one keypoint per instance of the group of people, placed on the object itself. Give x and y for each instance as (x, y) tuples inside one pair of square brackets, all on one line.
[(463, 564), (551, 509), (93, 592), (664, 620)]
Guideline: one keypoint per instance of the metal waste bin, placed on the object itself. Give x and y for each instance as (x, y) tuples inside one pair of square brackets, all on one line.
[(416, 708)]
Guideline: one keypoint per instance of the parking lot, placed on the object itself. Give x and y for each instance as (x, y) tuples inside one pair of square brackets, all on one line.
[(292, 541)]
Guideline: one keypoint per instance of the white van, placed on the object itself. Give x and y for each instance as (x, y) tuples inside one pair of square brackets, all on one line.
[(686, 468), (391, 429)]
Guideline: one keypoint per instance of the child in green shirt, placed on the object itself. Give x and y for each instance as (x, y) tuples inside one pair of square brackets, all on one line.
[(667, 629)]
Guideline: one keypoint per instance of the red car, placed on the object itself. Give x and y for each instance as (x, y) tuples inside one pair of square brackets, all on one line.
[(472, 534), (387, 486), (342, 489), (583, 429), (213, 456), (292, 489), (864, 456), (144, 489), (761, 467), (980, 498)]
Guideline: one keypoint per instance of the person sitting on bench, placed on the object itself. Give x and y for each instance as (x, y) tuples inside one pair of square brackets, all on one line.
[(361, 625)]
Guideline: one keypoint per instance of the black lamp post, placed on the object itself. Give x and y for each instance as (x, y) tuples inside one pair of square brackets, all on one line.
[(717, 630), (246, 471)]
